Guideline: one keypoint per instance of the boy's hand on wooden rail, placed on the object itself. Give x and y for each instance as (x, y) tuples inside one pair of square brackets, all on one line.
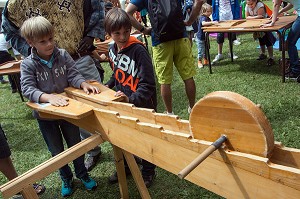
[(121, 94), (87, 88), (56, 100)]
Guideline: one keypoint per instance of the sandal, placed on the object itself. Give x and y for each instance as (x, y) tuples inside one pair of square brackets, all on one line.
[(39, 189)]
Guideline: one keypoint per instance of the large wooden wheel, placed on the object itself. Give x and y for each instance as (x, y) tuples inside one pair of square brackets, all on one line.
[(245, 125)]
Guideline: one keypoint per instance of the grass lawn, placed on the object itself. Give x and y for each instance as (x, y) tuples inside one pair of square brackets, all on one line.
[(246, 76)]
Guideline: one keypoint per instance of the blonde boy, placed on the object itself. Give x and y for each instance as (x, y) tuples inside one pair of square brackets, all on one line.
[(46, 71)]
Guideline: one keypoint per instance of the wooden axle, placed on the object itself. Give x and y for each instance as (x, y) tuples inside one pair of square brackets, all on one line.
[(214, 146)]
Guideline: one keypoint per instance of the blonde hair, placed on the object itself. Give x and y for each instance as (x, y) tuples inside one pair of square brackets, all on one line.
[(205, 7), (36, 28)]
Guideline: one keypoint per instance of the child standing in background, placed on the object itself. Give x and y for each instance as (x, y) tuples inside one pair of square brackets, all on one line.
[(204, 20), (49, 70), (5, 56), (256, 10), (224, 10), (144, 13), (187, 10), (133, 74)]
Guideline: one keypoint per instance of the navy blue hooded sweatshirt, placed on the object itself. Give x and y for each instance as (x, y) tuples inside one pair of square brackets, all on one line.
[(133, 73)]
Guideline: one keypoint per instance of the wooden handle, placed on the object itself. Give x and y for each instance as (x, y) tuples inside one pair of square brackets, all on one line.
[(182, 174)]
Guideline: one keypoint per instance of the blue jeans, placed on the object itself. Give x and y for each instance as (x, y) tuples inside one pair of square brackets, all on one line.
[(53, 132), (292, 39), (95, 151), (201, 48)]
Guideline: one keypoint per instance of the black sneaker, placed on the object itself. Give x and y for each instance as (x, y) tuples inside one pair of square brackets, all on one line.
[(270, 62), (262, 57), (114, 177), (148, 179), (292, 76), (3, 81)]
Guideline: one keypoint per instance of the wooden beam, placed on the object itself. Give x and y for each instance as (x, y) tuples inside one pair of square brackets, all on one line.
[(75, 109), (18, 184), (136, 173), (119, 160)]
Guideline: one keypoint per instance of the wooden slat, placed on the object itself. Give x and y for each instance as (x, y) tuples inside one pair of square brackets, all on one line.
[(136, 173), (75, 109), (286, 156), (250, 25), (105, 95), (109, 102), (16, 185), (10, 67), (29, 193), (119, 160)]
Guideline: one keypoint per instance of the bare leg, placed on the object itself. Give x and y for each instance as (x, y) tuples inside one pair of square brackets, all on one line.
[(190, 89), (220, 48), (7, 168), (166, 93), (270, 51), (263, 49)]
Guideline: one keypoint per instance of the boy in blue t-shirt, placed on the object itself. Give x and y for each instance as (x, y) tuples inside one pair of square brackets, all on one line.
[(203, 21)]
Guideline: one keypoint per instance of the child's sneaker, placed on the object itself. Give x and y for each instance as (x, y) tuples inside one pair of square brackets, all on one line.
[(3, 81), (262, 57), (167, 113), (189, 110), (292, 76), (148, 179), (270, 62), (234, 56), (205, 61), (88, 182), (200, 65), (236, 42), (217, 58), (66, 187)]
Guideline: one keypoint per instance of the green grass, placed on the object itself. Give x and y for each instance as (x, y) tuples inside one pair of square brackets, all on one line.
[(246, 76)]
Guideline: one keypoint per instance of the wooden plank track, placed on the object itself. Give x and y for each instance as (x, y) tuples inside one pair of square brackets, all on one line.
[(262, 169)]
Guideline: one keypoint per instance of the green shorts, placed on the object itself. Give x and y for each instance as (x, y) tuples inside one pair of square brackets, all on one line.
[(178, 52)]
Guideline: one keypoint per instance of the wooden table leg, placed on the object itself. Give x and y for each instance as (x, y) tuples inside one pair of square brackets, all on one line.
[(282, 48), (18, 86), (230, 45), (207, 46)]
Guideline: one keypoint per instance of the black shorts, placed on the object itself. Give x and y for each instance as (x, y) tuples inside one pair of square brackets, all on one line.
[(268, 39), (4, 148), (220, 37)]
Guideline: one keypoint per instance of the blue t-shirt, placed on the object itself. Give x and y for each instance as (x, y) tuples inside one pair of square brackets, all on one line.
[(200, 35), (143, 4)]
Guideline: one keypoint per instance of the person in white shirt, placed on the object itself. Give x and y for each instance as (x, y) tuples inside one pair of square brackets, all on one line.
[(5, 56)]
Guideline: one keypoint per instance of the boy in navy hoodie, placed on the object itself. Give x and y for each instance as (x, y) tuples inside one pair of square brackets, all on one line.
[(133, 75)]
